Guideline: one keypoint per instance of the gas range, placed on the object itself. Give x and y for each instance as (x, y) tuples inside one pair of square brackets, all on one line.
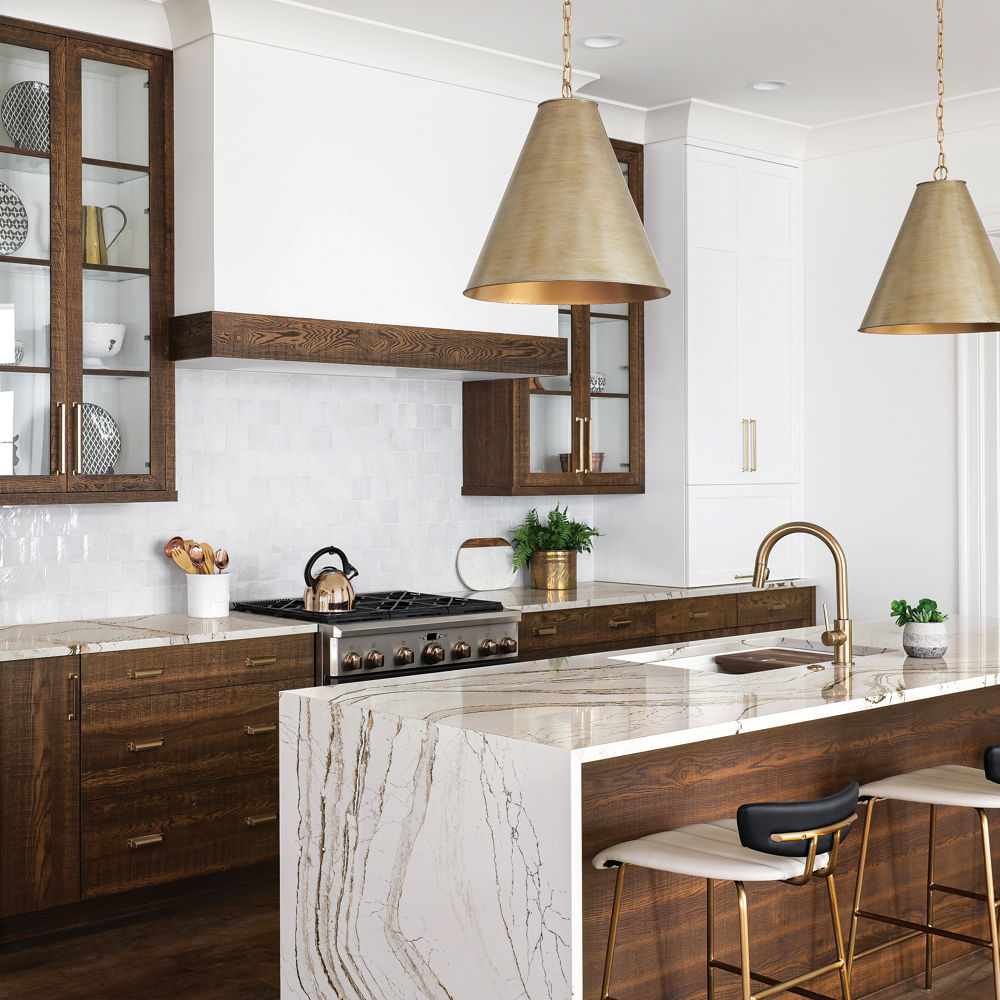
[(401, 633)]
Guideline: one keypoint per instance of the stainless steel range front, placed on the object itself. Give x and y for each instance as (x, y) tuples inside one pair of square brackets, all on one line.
[(400, 633)]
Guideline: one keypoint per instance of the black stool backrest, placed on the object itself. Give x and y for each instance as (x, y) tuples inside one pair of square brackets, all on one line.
[(991, 763), (756, 822)]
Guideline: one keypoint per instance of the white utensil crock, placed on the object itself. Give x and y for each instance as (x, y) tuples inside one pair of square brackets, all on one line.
[(208, 595)]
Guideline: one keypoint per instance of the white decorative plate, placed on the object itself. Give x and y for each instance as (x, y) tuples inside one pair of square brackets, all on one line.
[(13, 221), (25, 115), (486, 564), (102, 441)]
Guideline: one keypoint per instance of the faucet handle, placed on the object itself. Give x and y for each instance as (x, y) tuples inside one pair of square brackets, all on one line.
[(826, 617), (832, 636)]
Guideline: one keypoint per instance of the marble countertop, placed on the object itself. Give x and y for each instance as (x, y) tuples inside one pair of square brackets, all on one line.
[(611, 704), (27, 642), (601, 592)]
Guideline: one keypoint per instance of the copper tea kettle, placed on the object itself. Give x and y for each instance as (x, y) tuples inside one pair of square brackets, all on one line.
[(331, 590)]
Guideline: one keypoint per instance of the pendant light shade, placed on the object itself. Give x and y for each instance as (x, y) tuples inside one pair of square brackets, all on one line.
[(567, 231), (942, 275)]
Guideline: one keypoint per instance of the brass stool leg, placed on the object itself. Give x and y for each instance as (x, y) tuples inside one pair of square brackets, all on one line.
[(710, 938), (929, 938), (853, 939), (991, 900), (613, 930), (741, 899), (838, 939)]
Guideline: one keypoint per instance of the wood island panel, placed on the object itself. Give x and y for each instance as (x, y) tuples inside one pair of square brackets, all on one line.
[(661, 942)]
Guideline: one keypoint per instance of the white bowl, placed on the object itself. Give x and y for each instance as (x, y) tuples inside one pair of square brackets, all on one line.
[(100, 341)]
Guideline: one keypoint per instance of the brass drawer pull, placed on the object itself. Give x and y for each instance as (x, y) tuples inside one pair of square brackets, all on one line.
[(778, 607), (147, 745), (148, 840), (261, 820), (698, 614), (260, 661), (619, 624), (551, 630), (257, 730), (145, 675)]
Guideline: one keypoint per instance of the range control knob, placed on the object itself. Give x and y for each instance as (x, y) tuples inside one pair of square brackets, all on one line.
[(352, 661), (508, 645), (373, 659), (403, 657), (434, 653), (488, 647), (461, 651)]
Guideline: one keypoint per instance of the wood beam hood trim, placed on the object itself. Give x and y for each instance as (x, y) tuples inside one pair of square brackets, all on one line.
[(284, 338)]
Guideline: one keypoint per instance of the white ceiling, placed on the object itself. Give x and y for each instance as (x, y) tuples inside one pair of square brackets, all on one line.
[(844, 60)]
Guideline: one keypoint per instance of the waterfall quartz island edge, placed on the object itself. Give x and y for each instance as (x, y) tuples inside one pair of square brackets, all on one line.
[(436, 832)]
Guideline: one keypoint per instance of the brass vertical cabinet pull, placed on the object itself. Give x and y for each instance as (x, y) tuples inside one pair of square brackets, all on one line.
[(746, 445), (61, 407), (78, 464), (581, 433), (147, 840), (588, 451), (753, 445), (74, 698)]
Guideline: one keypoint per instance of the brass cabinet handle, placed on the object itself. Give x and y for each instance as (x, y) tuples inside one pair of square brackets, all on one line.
[(581, 432), (261, 820), (698, 614), (74, 698), (257, 730), (778, 607), (551, 630), (588, 451), (143, 675), (78, 464), (746, 444), (260, 661), (137, 747), (147, 840), (619, 624), (753, 447), (61, 407)]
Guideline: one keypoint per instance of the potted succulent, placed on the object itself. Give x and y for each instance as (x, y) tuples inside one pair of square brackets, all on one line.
[(551, 547), (924, 634)]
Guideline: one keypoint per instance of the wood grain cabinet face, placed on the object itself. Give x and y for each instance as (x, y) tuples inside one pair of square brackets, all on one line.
[(696, 614), (39, 784), (765, 607), (579, 630), (579, 433)]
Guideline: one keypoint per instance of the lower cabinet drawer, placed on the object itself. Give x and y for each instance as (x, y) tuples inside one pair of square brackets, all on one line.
[(178, 833), (782, 605), (139, 744), (695, 614), (620, 624)]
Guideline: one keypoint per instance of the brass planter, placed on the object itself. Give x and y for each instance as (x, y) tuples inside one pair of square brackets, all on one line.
[(553, 569)]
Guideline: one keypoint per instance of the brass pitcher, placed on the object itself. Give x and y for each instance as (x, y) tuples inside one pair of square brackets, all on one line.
[(95, 250)]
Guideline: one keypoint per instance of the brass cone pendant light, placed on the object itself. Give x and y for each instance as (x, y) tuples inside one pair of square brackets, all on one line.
[(567, 231), (942, 275)]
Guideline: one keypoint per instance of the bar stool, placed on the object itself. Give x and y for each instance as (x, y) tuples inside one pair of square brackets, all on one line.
[(787, 842), (945, 785)]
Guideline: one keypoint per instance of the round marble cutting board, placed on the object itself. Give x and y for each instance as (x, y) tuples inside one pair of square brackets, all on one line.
[(486, 564)]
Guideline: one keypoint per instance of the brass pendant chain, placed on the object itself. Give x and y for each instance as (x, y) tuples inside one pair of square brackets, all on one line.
[(941, 170), (567, 88)]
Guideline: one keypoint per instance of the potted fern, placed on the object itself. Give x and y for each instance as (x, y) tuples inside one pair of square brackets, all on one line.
[(551, 547), (924, 633)]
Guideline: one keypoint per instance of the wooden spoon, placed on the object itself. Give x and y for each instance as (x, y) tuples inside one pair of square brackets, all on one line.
[(183, 560), (209, 566)]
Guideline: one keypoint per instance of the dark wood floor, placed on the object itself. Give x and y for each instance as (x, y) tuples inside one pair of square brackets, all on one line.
[(222, 946)]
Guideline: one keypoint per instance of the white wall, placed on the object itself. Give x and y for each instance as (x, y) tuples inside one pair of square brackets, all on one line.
[(881, 410)]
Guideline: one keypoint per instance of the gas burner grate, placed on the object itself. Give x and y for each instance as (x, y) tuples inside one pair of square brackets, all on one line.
[(379, 606)]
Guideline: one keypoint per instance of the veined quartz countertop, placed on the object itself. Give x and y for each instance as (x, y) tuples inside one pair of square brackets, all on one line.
[(609, 704), (600, 592), (26, 642)]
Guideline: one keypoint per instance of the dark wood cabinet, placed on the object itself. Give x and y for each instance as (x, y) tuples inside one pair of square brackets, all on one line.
[(570, 631), (577, 433), (86, 269), (39, 784)]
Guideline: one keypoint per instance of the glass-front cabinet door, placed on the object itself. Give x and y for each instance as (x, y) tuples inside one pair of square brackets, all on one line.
[(86, 392)]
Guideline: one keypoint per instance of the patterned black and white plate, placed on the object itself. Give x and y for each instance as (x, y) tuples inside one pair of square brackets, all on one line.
[(13, 221), (102, 441), (25, 115)]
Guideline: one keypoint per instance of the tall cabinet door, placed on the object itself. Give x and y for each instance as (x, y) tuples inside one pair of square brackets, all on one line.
[(39, 784)]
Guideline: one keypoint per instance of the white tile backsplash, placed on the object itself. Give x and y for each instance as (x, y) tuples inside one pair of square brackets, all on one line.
[(272, 467)]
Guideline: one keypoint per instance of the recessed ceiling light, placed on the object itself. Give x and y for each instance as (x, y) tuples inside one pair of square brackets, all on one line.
[(767, 85), (604, 41)]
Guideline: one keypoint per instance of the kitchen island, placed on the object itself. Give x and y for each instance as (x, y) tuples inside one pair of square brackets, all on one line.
[(436, 832)]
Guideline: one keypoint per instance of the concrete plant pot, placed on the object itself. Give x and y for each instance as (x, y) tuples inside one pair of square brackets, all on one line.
[(927, 640)]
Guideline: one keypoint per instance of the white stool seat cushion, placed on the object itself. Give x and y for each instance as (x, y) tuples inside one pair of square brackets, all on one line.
[(946, 785), (706, 850)]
